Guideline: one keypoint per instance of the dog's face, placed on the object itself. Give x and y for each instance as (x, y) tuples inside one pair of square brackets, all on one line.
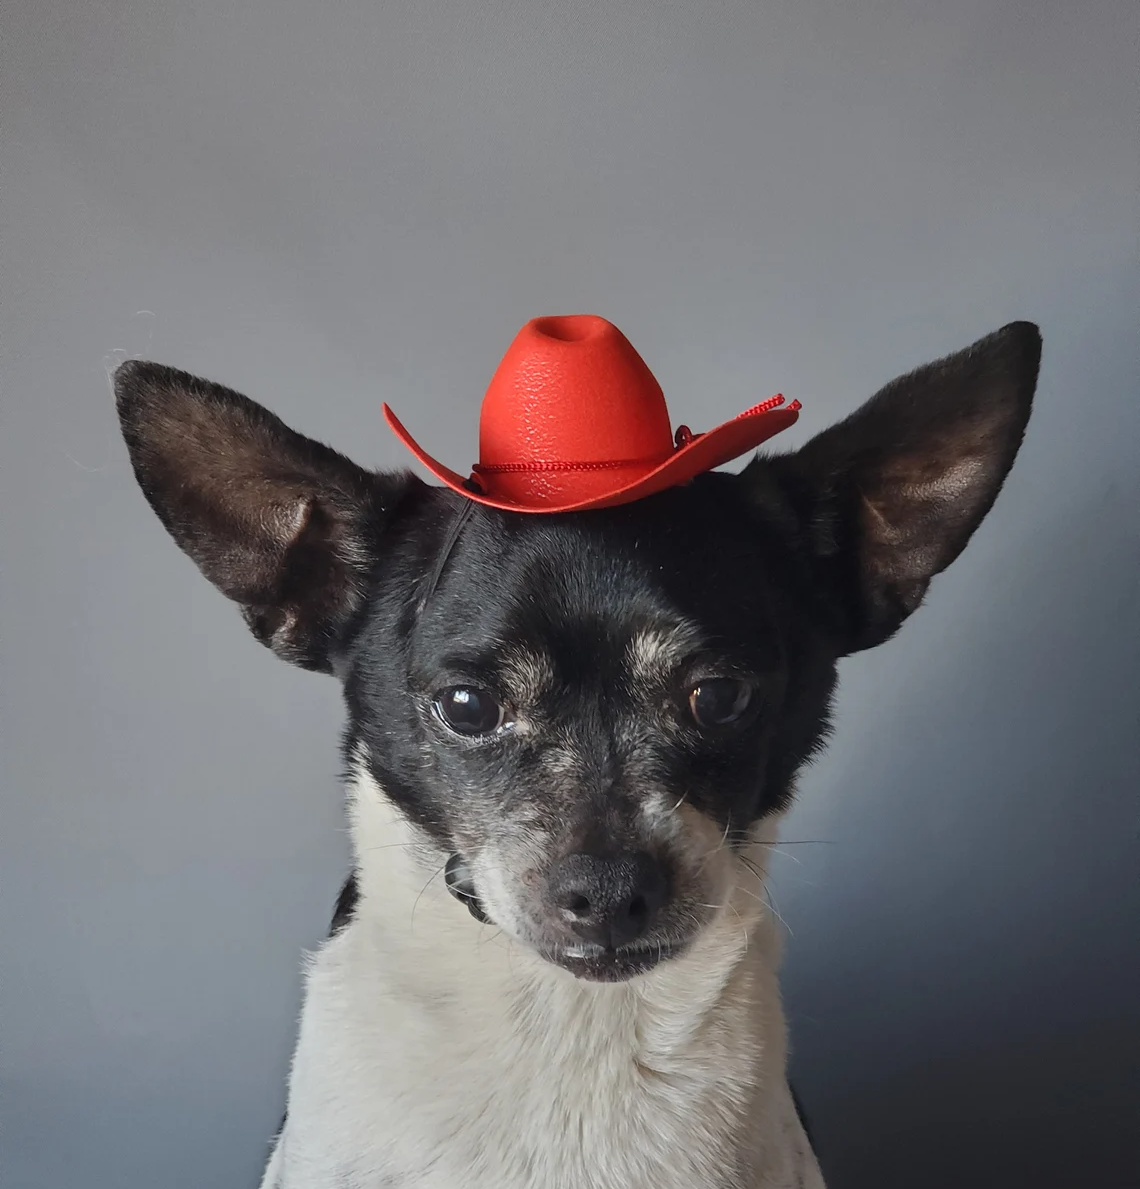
[(588, 710), (586, 714)]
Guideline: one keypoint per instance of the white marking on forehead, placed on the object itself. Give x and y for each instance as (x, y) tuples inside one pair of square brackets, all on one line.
[(656, 652)]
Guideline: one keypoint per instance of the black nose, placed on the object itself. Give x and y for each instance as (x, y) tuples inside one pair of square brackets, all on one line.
[(610, 902)]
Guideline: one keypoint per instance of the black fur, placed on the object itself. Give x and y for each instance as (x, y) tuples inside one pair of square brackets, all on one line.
[(509, 583), (345, 905)]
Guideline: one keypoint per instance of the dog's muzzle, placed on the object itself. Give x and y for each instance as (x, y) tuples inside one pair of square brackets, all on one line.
[(457, 876)]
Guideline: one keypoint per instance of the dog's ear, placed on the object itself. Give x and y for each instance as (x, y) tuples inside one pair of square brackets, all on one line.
[(889, 497), (284, 526)]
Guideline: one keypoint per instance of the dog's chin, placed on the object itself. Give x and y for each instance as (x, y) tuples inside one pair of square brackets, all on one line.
[(596, 964)]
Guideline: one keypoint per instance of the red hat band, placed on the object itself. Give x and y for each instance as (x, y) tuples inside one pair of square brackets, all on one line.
[(574, 419)]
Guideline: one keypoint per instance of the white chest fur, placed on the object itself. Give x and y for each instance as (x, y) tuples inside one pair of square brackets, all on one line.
[(436, 1054)]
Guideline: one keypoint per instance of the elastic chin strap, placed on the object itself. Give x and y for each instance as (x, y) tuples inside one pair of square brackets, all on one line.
[(445, 551), (456, 873), (457, 876)]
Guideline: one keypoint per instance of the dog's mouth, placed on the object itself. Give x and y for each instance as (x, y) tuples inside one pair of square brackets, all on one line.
[(595, 963), (585, 960)]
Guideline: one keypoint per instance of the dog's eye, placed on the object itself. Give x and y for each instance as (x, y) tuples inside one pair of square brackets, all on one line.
[(469, 711), (718, 701)]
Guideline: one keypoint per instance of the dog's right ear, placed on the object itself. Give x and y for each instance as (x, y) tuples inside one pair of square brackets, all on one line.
[(283, 525)]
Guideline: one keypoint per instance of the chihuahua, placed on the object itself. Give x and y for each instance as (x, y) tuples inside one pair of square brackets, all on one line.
[(570, 742)]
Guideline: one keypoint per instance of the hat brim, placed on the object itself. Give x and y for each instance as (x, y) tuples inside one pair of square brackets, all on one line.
[(552, 490)]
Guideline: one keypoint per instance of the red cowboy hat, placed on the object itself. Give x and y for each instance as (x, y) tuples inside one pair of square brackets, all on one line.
[(573, 419)]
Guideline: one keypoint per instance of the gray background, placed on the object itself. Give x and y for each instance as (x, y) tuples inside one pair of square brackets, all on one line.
[(331, 205)]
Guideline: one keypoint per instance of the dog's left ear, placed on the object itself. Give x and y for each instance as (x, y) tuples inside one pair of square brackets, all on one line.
[(889, 497)]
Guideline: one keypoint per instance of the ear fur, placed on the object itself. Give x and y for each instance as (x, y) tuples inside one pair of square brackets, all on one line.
[(281, 524), (889, 497)]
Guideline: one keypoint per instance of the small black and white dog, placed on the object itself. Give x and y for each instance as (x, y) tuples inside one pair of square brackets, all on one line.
[(585, 727)]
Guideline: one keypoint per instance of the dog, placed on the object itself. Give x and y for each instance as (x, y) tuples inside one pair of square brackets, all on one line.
[(570, 740)]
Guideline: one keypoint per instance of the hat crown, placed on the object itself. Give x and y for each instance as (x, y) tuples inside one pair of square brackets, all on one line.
[(572, 390), (573, 420)]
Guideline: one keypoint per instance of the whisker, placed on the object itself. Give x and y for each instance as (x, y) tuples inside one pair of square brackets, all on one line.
[(483, 939), (434, 874), (773, 848), (750, 865), (743, 930), (776, 912), (716, 849)]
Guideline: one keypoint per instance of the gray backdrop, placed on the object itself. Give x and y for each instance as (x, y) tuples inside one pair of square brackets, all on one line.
[(330, 205)]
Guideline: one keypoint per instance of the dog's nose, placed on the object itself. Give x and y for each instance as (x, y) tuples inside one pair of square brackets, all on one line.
[(609, 902)]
